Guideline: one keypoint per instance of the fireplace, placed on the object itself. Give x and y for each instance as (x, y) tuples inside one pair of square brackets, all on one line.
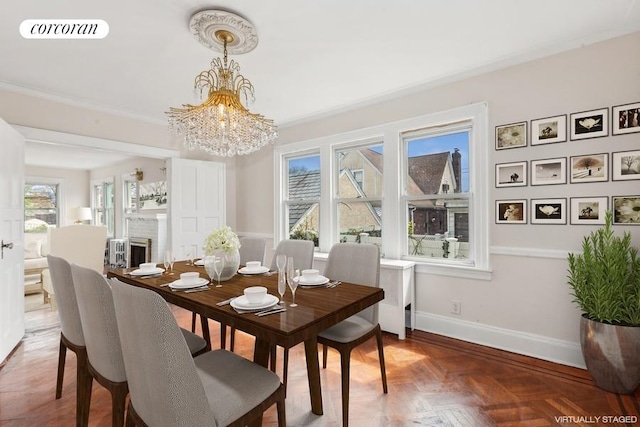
[(139, 251)]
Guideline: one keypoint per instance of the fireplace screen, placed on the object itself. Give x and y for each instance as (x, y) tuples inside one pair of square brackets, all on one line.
[(139, 251)]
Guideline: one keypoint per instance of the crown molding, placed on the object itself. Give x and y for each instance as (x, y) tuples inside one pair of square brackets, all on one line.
[(74, 102)]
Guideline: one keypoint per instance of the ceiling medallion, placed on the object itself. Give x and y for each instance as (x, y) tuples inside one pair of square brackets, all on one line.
[(222, 125), (205, 24)]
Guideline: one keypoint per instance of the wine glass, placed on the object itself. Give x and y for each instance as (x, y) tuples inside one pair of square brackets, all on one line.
[(282, 285), (218, 266), (281, 262), (209, 267), (168, 262), (189, 258), (292, 279)]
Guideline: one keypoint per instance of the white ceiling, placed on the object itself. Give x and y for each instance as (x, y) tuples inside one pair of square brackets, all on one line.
[(312, 57)]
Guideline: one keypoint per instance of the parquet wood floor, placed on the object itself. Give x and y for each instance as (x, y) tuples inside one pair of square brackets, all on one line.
[(433, 381)]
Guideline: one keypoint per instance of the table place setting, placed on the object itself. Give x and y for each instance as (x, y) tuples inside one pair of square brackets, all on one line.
[(311, 278), (253, 267), (256, 300), (146, 270), (189, 282)]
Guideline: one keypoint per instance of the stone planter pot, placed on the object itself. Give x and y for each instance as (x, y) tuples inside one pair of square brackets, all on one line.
[(612, 355)]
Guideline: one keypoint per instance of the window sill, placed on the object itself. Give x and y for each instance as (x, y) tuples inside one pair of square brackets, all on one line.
[(461, 271)]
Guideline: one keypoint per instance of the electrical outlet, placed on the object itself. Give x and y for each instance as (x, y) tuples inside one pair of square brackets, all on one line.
[(455, 306)]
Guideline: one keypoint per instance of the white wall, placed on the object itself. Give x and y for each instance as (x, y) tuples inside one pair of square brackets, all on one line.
[(526, 307)]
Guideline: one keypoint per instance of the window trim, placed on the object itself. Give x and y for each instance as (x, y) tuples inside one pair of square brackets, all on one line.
[(394, 214)]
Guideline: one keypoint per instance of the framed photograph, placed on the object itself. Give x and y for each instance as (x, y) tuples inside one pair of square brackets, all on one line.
[(625, 119), (549, 171), (511, 174), (625, 165), (511, 136), (588, 210), (548, 211), (626, 210), (153, 195), (589, 168), (549, 130), (589, 124), (511, 211)]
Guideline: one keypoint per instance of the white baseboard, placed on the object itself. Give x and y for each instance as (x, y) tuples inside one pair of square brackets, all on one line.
[(545, 348)]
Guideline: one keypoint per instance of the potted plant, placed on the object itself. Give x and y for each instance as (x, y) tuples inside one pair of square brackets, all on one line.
[(605, 280), (223, 242)]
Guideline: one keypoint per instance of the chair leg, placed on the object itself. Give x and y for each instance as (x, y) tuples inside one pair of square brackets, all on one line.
[(62, 355), (193, 322), (285, 369), (282, 418), (383, 370), (130, 421), (223, 336), (345, 359), (83, 391), (232, 339), (118, 403), (273, 351), (324, 356)]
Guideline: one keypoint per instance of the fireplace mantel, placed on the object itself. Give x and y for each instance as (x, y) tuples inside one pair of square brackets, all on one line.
[(149, 226)]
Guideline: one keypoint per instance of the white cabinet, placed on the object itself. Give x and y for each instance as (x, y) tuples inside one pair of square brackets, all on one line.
[(396, 278)]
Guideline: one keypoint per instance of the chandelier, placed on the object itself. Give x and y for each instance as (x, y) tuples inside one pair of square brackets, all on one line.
[(222, 125)]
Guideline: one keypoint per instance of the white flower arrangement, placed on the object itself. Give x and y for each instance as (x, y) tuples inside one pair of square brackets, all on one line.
[(223, 239)]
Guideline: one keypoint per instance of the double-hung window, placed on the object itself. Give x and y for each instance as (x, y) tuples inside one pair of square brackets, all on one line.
[(103, 199), (429, 191), (41, 205), (358, 190), (302, 199)]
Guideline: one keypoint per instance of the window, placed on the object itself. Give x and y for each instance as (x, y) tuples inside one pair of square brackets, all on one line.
[(436, 183), (103, 205), (41, 206), (130, 187), (303, 197), (359, 201), (433, 178)]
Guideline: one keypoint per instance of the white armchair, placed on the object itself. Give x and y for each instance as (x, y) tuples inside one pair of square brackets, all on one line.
[(35, 262), (78, 244)]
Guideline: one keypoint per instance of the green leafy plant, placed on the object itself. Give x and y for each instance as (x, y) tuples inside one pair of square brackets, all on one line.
[(605, 278)]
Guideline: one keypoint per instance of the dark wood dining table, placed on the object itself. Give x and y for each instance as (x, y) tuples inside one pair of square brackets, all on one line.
[(318, 309)]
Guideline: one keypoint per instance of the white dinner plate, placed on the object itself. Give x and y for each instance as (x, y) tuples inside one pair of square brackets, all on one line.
[(320, 280), (199, 263), (243, 304), (260, 270), (140, 272), (179, 284)]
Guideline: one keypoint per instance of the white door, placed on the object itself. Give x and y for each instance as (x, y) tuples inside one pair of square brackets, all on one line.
[(196, 204), (12, 237)]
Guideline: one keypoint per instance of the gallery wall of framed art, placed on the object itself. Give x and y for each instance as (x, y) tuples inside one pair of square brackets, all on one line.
[(580, 167)]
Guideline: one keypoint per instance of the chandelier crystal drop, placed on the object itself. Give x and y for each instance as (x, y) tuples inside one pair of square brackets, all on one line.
[(222, 125)]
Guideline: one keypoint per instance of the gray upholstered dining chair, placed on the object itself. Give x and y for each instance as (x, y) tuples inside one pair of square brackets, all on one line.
[(168, 387), (300, 250), (359, 264), (251, 249), (71, 335), (100, 329)]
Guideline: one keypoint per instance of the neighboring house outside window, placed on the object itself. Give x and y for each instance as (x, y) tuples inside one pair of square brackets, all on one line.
[(434, 178)]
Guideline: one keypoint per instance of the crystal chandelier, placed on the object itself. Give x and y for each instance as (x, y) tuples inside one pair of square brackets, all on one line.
[(222, 125)]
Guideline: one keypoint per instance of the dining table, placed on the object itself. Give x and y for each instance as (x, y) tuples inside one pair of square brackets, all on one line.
[(318, 308)]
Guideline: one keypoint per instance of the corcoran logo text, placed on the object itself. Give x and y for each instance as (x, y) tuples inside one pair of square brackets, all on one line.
[(64, 29)]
